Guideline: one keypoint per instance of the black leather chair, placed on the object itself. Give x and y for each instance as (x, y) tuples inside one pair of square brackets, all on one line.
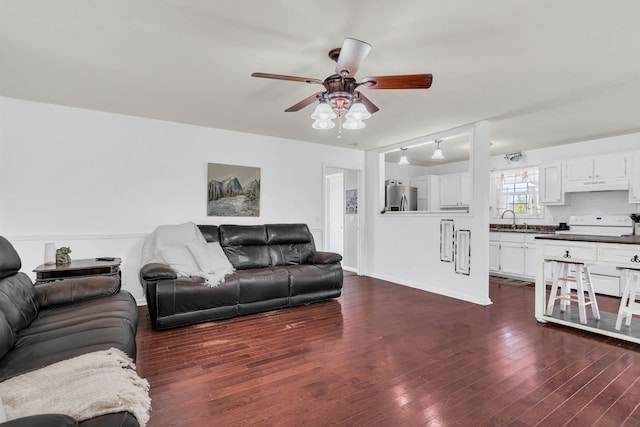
[(44, 324)]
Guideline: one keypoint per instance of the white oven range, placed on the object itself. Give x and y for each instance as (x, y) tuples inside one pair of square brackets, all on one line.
[(606, 280)]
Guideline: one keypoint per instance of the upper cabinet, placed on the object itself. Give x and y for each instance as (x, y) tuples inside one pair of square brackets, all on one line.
[(428, 192), (550, 182), (606, 172), (454, 190), (634, 177)]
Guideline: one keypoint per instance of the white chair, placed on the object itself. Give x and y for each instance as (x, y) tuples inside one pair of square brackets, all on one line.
[(568, 272), (628, 304)]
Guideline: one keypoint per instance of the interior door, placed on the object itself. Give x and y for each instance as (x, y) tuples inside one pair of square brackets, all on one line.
[(335, 212)]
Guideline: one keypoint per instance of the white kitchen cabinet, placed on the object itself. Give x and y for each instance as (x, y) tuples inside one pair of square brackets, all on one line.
[(454, 190), (512, 254), (494, 253), (550, 184), (530, 256), (606, 172), (428, 192), (634, 177)]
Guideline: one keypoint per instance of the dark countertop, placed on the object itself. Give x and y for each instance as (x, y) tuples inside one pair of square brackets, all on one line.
[(530, 229), (627, 240)]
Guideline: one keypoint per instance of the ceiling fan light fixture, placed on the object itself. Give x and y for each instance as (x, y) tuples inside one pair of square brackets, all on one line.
[(323, 124), (323, 112), (353, 124), (437, 153), (358, 112), (403, 158)]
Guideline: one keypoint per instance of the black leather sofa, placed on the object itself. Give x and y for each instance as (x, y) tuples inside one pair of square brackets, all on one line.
[(48, 323), (277, 266)]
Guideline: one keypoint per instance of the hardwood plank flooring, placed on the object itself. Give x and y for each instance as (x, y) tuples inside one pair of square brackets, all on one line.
[(388, 355)]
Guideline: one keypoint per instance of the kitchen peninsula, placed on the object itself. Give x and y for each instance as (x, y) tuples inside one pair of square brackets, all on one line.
[(617, 251)]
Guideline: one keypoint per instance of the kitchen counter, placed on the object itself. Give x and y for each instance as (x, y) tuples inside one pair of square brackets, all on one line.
[(528, 229), (619, 252), (625, 240)]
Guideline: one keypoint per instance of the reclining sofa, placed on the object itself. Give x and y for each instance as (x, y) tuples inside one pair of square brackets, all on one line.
[(44, 324), (276, 266)]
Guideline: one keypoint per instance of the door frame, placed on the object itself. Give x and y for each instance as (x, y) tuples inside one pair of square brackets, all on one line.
[(329, 169)]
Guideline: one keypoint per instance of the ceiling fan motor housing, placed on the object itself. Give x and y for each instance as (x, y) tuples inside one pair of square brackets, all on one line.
[(340, 91)]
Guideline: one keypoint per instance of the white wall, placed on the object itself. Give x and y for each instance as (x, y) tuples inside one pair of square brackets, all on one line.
[(405, 247), (100, 182)]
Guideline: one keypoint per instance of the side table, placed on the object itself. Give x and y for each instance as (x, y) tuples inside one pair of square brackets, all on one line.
[(77, 268)]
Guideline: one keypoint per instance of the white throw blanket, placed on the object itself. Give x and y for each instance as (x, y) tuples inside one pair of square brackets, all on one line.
[(184, 248), (93, 384)]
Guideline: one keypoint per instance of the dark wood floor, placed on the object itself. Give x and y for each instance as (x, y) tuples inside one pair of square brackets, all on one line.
[(388, 355)]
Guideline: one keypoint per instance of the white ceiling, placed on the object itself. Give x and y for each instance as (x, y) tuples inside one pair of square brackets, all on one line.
[(543, 72)]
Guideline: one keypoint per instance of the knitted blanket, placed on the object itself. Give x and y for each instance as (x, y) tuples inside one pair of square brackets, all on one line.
[(83, 387), (184, 248)]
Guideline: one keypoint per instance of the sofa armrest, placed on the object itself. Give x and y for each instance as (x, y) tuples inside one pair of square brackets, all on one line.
[(76, 289), (324, 258), (42, 420), (157, 271)]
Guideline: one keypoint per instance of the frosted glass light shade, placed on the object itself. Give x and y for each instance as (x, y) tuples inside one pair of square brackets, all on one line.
[(403, 160), (323, 124), (353, 124), (358, 112), (437, 155), (323, 112)]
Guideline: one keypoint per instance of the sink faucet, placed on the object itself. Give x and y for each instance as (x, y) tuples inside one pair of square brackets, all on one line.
[(514, 217)]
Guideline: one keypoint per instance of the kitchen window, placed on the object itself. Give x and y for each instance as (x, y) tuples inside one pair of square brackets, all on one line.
[(516, 190)]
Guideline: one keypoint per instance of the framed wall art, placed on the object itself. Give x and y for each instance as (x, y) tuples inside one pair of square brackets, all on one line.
[(351, 202), (233, 190), (463, 251), (446, 240)]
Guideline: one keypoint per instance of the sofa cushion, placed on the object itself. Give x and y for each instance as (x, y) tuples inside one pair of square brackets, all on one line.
[(278, 234), (262, 284), (289, 244), (245, 245), (209, 232), (120, 305), (18, 300), (34, 351), (247, 235), (9, 260), (73, 289)]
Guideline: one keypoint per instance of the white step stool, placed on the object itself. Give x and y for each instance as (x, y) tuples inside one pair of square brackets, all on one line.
[(628, 304), (568, 272)]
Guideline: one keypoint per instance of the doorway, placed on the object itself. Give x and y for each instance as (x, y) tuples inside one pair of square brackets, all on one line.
[(342, 215)]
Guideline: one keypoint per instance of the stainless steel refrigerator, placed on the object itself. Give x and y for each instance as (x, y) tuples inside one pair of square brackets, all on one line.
[(401, 198)]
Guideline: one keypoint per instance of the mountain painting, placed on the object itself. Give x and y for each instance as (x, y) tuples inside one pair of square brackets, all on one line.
[(233, 190)]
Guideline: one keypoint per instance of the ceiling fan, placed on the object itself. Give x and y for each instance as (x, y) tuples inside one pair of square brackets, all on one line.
[(341, 92)]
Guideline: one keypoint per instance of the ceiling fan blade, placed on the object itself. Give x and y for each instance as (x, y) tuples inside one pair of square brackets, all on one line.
[(409, 81), (283, 77), (352, 54), (300, 105), (371, 107)]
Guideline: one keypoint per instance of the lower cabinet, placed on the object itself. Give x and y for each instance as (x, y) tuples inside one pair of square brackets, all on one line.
[(512, 254)]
